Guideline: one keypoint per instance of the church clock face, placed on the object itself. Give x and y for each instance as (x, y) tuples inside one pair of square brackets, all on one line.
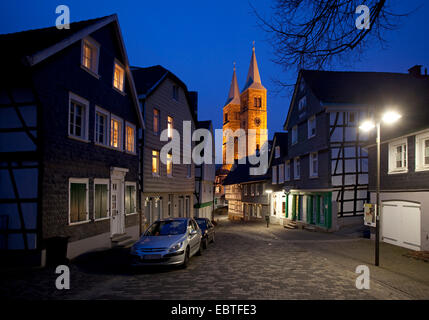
[(257, 122)]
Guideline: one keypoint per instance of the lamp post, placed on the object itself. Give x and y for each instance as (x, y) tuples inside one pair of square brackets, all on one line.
[(388, 118)]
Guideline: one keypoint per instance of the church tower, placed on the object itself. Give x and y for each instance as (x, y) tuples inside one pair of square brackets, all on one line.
[(253, 102), (231, 116)]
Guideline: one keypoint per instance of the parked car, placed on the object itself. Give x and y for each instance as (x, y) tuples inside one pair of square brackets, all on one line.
[(168, 242), (207, 230)]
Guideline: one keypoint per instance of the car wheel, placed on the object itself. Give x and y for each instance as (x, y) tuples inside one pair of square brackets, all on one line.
[(200, 249), (186, 259), (205, 242)]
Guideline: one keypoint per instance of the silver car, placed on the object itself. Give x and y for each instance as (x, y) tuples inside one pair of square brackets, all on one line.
[(168, 242)]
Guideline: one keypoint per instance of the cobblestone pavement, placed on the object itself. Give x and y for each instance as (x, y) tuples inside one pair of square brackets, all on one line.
[(248, 261)]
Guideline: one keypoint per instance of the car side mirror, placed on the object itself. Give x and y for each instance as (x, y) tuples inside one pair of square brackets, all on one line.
[(193, 232)]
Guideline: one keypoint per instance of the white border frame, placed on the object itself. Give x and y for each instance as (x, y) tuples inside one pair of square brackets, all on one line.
[(96, 46), (76, 98), (107, 114), (309, 135), (122, 90), (131, 125), (80, 181), (121, 138), (391, 168), (420, 166)]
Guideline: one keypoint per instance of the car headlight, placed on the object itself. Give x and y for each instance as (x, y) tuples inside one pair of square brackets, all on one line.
[(176, 247)]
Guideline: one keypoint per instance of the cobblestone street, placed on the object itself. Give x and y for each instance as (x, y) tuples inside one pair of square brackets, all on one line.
[(247, 261)]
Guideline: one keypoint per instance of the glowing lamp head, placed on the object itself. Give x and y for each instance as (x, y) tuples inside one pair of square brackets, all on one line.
[(269, 191), (367, 125), (391, 117)]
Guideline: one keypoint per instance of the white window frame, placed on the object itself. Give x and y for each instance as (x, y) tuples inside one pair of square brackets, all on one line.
[(311, 166), (281, 173), (105, 182), (129, 124), (311, 123), (134, 184), (420, 155), (294, 134), (80, 181), (95, 45), (121, 131), (107, 127), (78, 99), (392, 156), (119, 64), (287, 170), (296, 172), (277, 152), (274, 175)]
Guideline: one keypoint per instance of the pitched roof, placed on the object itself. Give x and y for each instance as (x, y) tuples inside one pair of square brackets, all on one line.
[(253, 78), (28, 48), (234, 92), (240, 174)]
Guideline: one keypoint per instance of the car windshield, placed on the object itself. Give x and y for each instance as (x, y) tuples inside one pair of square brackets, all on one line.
[(166, 228), (201, 223)]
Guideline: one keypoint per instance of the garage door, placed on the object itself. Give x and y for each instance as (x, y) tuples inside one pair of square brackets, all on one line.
[(400, 224)]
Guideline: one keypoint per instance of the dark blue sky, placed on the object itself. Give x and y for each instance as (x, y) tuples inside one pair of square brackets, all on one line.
[(200, 40)]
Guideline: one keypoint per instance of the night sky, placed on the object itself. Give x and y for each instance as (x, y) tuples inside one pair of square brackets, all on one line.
[(200, 40)]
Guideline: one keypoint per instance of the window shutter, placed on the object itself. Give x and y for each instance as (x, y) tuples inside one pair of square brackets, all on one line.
[(127, 200), (82, 201), (74, 203)]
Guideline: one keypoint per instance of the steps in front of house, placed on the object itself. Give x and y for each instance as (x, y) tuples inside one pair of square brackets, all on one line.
[(122, 241), (291, 225)]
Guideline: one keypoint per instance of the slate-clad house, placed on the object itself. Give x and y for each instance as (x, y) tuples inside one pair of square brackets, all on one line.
[(167, 188), (204, 178), (404, 172), (69, 116)]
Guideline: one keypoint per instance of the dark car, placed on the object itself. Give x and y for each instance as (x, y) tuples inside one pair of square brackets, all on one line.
[(207, 230)]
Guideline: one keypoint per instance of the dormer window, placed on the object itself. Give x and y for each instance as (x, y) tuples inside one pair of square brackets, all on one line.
[(90, 51), (277, 152), (118, 77), (302, 103)]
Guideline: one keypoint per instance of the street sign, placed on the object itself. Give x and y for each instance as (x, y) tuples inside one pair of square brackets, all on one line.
[(369, 218)]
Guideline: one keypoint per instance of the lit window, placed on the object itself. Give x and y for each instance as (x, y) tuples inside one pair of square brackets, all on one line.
[(311, 127), (297, 168), (398, 156), (314, 167), (90, 50), (169, 164), (78, 116), (130, 142), (101, 126), (78, 200), (116, 133), (118, 77), (156, 121), (170, 127), (294, 134), (155, 162)]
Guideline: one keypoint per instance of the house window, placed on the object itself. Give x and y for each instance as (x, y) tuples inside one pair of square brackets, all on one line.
[(115, 132), (189, 170), (281, 173), (78, 117), (311, 127), (118, 77), (252, 189), (277, 152), (101, 199), (169, 165), (169, 205), (155, 121), (297, 168), (130, 198), (294, 134), (101, 126), (130, 138), (287, 171), (170, 127), (155, 162), (398, 156), (176, 93), (274, 175), (90, 50), (226, 118), (422, 151), (314, 166), (78, 200), (258, 102), (302, 103)]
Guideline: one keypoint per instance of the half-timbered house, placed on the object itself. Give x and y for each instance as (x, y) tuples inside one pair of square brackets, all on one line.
[(69, 116)]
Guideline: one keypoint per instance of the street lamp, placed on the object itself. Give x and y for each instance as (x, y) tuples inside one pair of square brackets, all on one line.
[(388, 118)]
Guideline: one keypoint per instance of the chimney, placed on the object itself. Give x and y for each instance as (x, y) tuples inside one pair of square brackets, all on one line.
[(193, 96), (415, 71)]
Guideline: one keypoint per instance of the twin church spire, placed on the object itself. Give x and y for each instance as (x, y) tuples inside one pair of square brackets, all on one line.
[(253, 80)]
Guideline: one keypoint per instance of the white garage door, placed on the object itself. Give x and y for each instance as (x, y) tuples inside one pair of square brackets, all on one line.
[(400, 224)]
